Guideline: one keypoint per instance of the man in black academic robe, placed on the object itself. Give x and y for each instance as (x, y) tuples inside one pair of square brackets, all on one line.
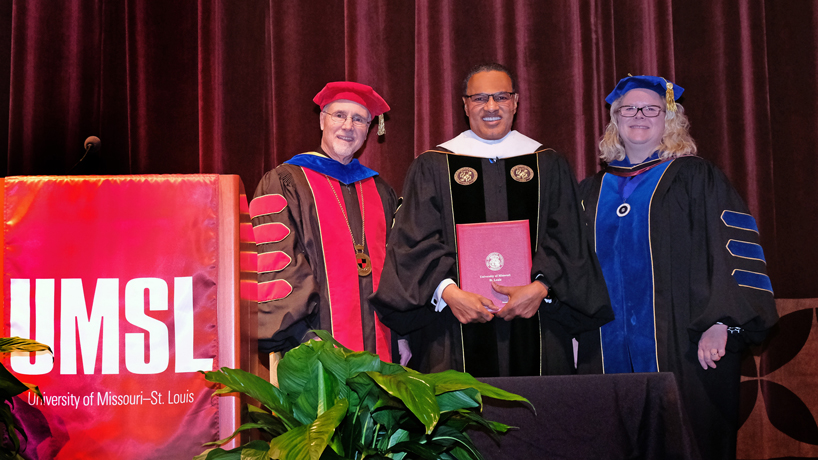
[(489, 174)]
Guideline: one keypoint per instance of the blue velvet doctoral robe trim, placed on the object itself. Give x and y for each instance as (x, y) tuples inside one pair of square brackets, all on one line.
[(739, 220), (746, 250), (753, 280), (349, 173), (624, 252)]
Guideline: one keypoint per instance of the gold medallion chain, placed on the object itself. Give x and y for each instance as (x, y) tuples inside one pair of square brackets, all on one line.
[(362, 259)]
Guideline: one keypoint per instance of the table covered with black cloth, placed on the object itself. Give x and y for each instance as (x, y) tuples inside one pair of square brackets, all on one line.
[(617, 416)]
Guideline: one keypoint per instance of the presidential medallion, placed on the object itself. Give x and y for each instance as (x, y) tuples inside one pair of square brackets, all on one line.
[(465, 176), (364, 263), (522, 173)]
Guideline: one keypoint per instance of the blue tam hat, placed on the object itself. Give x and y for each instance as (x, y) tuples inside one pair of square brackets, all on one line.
[(659, 85)]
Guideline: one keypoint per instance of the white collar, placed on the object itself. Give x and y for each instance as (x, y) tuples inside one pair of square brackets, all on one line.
[(511, 145)]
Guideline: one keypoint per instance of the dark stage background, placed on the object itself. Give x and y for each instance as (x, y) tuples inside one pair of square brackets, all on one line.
[(225, 87)]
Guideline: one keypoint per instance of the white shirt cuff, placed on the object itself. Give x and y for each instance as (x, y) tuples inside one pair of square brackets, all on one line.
[(437, 299)]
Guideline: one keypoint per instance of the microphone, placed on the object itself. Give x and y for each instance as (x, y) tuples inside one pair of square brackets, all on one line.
[(91, 144)]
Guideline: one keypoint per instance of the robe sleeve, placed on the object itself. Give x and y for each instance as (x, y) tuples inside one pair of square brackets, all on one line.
[(565, 260), (287, 290), (737, 291), (418, 256), (390, 202)]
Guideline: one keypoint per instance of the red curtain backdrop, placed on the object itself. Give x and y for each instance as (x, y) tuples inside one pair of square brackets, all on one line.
[(226, 86)]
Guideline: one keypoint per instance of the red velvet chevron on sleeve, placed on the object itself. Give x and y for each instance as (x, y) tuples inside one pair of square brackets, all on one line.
[(274, 290), (271, 233), (273, 261), (267, 204)]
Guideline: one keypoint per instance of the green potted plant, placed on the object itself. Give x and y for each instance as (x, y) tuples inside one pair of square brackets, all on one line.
[(333, 403), (10, 387)]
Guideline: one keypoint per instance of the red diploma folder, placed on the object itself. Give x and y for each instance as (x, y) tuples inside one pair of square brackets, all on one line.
[(493, 251)]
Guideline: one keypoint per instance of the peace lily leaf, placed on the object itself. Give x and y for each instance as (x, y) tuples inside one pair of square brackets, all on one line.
[(326, 390), (330, 454), (244, 427), (474, 418), (305, 406), (345, 393), (426, 451), (292, 445), (391, 368), (449, 436), (461, 399), (317, 396), (446, 436), (363, 386), (295, 368), (34, 389), (335, 445), (362, 362), (203, 455), (270, 423), (257, 388), (485, 390), (500, 427), (414, 392), (12, 344), (327, 337), (463, 419), (392, 433), (452, 380), (388, 417), (9, 385), (353, 398), (380, 400), (354, 406), (460, 453), (399, 436), (355, 428), (334, 361), (334, 355), (411, 424), (11, 428), (255, 450)]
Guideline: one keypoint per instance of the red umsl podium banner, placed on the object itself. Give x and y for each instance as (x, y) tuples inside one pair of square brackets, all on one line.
[(135, 283)]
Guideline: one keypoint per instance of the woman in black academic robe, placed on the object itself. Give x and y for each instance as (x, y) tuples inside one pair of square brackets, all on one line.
[(680, 255)]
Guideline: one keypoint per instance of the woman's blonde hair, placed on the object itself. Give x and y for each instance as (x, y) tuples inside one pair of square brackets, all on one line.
[(676, 141)]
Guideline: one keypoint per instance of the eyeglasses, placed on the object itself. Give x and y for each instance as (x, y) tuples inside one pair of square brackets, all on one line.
[(650, 111), (341, 117), (482, 98)]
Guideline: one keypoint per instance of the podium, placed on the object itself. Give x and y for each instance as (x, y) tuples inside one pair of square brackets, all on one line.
[(136, 283)]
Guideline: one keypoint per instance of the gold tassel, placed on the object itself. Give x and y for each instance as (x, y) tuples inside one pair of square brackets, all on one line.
[(381, 126), (669, 98)]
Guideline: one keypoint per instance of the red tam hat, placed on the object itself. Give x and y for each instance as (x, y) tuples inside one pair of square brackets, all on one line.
[(355, 92)]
